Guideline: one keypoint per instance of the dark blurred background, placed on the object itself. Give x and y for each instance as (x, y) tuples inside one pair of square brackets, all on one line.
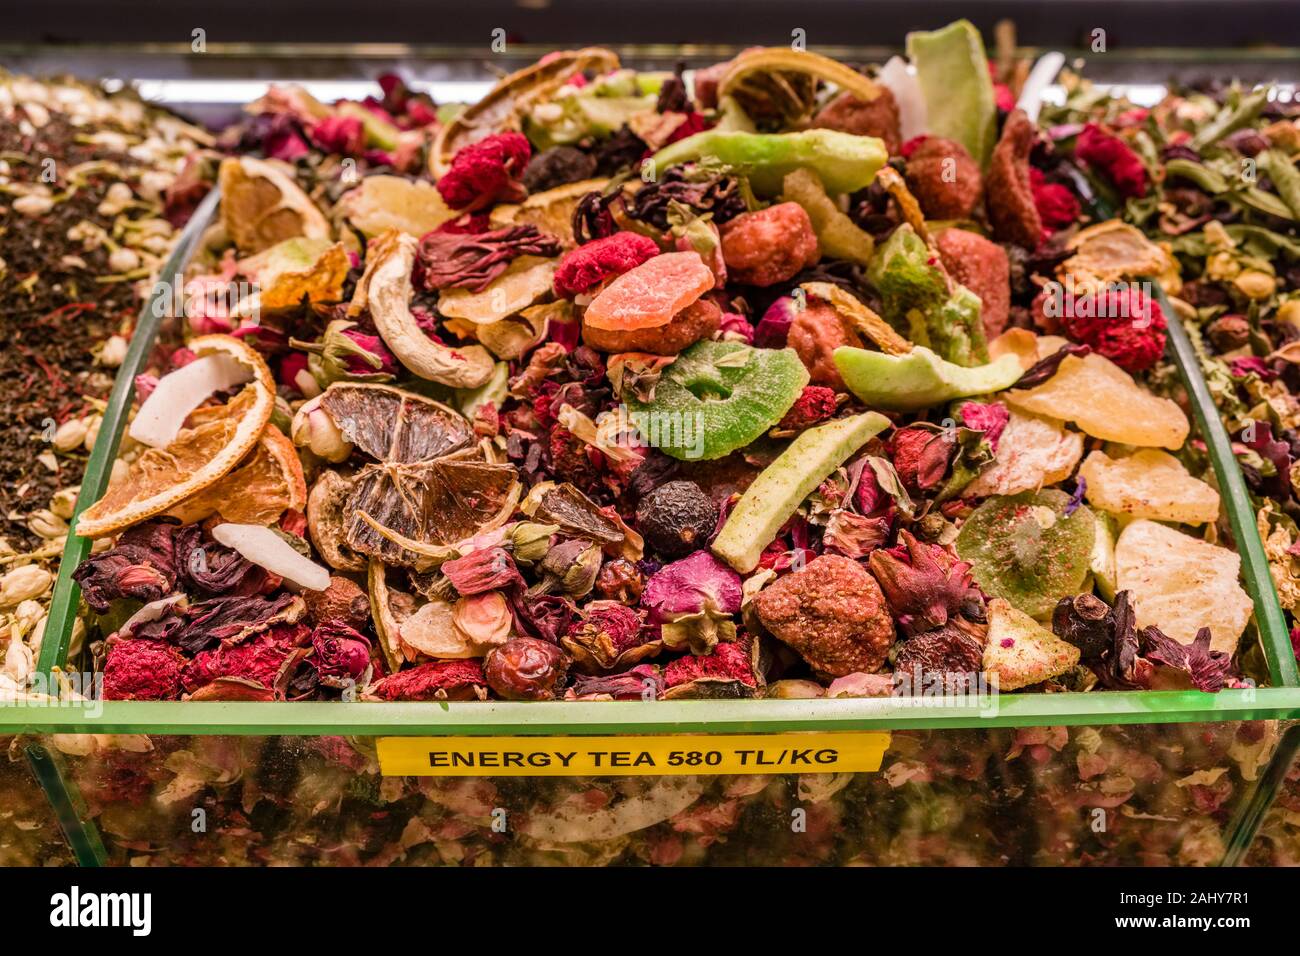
[(1069, 23)]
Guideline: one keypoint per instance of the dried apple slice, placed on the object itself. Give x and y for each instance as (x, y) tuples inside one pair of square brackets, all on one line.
[(512, 98), (526, 282), (1104, 401), (780, 82), (382, 203), (1033, 452), (385, 289), (216, 441), (262, 205)]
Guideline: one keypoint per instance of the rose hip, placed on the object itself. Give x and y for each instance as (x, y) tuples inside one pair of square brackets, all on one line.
[(526, 669)]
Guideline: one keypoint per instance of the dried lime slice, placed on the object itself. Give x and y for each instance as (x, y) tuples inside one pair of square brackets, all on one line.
[(1026, 549)]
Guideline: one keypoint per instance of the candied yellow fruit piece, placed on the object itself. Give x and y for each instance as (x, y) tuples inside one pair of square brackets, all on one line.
[(1148, 484), (1182, 584), (1103, 400)]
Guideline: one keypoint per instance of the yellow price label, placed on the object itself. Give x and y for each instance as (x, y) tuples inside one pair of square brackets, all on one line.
[(611, 756)]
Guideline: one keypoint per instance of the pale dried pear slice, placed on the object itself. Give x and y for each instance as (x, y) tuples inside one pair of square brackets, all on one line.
[(262, 205), (385, 290), (1182, 584), (382, 203), (526, 282), (551, 210), (260, 489), (1033, 452), (1148, 484), (512, 97), (200, 455), (782, 82), (1104, 401), (1110, 251)]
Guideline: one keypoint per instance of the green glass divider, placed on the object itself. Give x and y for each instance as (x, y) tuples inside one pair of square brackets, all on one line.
[(1273, 631), (63, 605), (69, 808)]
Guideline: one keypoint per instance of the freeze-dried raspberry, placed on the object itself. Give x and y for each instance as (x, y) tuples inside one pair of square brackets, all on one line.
[(587, 266), (1056, 205), (486, 172), (141, 669), (815, 404), (1113, 157), (769, 246), (1118, 322)]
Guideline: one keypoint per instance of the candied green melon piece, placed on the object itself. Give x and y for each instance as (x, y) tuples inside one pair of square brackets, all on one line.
[(919, 379), (783, 485), (717, 397), (1024, 548)]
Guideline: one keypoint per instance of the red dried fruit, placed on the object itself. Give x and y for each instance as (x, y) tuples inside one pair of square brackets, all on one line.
[(1113, 157), (1118, 322), (448, 260), (769, 246), (585, 267), (344, 135), (1009, 195), (139, 669), (983, 267), (487, 172), (1056, 204), (815, 333), (731, 661), (256, 659), (437, 680), (815, 404), (697, 321), (526, 669), (833, 613), (944, 178), (921, 456), (925, 584), (877, 117), (620, 580)]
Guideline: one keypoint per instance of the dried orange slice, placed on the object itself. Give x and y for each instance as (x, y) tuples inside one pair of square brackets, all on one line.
[(651, 294), (513, 97), (780, 82), (262, 205), (215, 440), (260, 489)]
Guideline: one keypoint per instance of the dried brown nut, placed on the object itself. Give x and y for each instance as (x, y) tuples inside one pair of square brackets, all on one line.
[(1009, 196), (343, 600), (981, 266), (676, 518), (816, 332), (833, 613), (944, 179), (769, 246), (1226, 333), (848, 114), (1087, 622), (526, 669), (955, 649), (697, 321)]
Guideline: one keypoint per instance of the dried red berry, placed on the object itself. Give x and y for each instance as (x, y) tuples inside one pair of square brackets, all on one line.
[(1114, 158), (487, 172), (815, 404), (526, 669), (587, 266), (1118, 322), (620, 580)]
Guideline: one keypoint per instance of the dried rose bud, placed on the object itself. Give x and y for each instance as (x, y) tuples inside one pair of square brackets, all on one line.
[(574, 565), (924, 584), (313, 428), (342, 654), (345, 353), (531, 540), (921, 456), (526, 669), (620, 580), (1229, 332), (606, 630)]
